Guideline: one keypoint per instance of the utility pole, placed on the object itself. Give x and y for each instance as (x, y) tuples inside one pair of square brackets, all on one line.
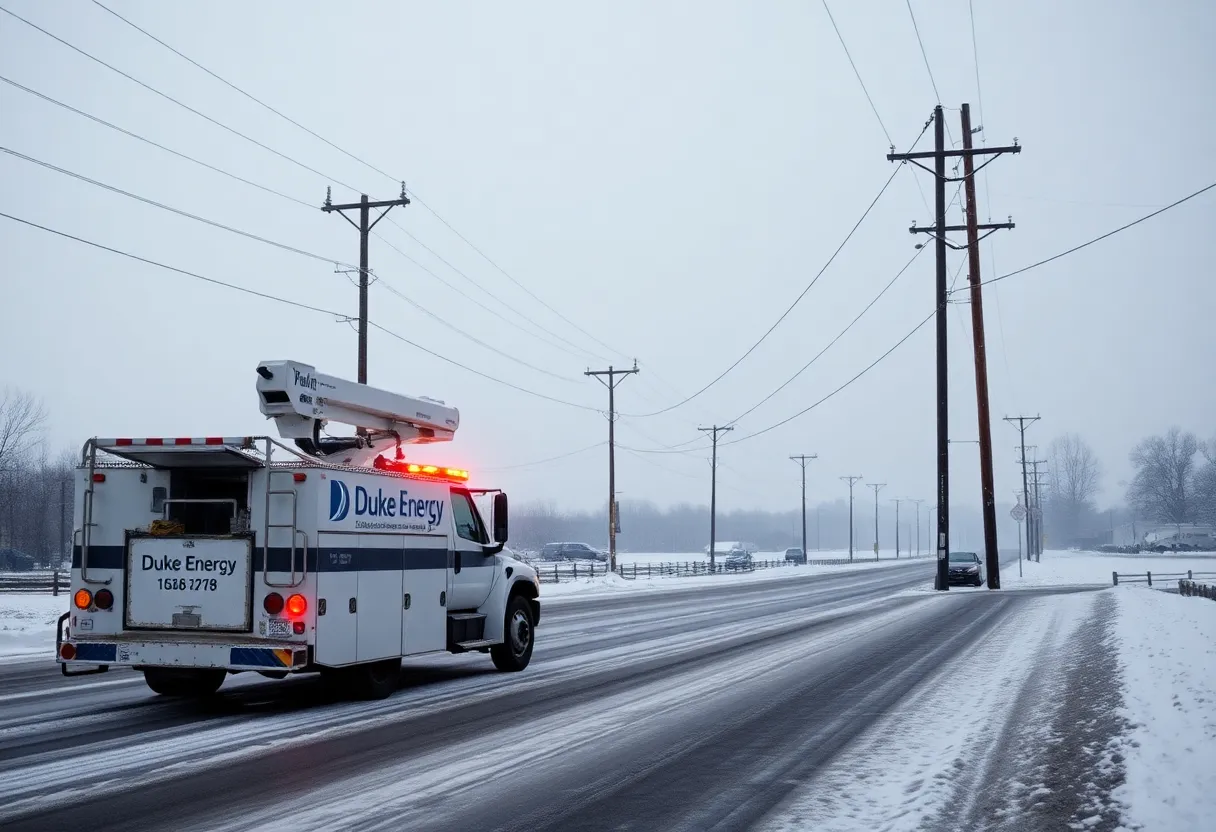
[(917, 503), (1037, 512), (612, 373), (877, 486), (65, 553), (713, 494), (851, 481), (988, 492), (939, 230), (1023, 421), (365, 228), (802, 460), (897, 501)]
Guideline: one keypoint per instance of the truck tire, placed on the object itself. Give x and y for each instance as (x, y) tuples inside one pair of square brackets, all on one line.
[(375, 680), (187, 682), (519, 636)]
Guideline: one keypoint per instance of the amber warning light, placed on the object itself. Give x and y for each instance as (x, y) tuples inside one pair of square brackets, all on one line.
[(417, 469)]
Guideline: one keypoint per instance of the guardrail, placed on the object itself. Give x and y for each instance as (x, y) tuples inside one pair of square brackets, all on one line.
[(40, 582), (1147, 577), (1191, 588)]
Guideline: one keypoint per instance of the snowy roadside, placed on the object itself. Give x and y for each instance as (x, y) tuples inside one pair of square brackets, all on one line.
[(613, 585), (27, 625), (1167, 652)]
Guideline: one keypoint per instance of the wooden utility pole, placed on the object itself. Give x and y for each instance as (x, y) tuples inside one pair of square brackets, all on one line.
[(917, 504), (802, 460), (897, 501), (992, 560), (851, 481), (939, 230), (364, 226), (611, 384), (1036, 513), (877, 486), (713, 494), (1023, 421)]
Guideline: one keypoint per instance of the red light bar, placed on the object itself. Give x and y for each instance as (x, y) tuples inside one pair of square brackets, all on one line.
[(420, 470)]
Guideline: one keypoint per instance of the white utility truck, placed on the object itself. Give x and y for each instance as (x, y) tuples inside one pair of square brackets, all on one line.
[(194, 558)]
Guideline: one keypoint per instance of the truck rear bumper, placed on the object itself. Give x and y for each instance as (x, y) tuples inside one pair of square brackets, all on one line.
[(280, 657)]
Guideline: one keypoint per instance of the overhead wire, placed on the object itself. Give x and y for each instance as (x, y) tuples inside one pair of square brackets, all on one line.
[(410, 191), (279, 299), (788, 309), (858, 74), (545, 461), (1099, 238), (840, 335), (273, 192), (179, 103), (283, 246)]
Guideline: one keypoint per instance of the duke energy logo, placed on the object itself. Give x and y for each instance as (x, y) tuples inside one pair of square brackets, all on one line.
[(339, 501), (392, 509)]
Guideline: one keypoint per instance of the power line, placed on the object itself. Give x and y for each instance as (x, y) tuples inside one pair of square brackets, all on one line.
[(1099, 239), (280, 114), (300, 305), (833, 341), (244, 93), (181, 104), (923, 53), (858, 74), (146, 140), (788, 310), (496, 313), (546, 460), (292, 249), (173, 210)]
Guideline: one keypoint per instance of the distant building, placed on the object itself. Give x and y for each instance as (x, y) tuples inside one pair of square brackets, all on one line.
[(13, 560)]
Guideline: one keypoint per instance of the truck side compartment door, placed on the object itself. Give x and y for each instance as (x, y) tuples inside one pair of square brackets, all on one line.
[(338, 591), (380, 614), (424, 627)]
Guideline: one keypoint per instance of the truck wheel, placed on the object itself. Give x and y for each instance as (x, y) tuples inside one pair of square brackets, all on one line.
[(376, 680), (197, 683), (519, 636)]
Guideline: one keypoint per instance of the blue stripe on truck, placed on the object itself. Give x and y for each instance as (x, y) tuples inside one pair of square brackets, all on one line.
[(99, 653)]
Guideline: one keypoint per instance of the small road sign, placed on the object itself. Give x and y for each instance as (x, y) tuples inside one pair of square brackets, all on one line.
[(1018, 512)]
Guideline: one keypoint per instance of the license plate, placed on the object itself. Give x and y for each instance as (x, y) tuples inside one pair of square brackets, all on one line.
[(279, 628)]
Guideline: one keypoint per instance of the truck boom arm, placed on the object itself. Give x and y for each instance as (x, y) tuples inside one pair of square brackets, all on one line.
[(301, 401)]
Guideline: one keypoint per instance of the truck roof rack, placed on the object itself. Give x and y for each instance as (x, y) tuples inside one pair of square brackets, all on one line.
[(185, 452)]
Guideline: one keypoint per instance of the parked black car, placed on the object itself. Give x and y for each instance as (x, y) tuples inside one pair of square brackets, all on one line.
[(966, 568), (795, 555), (571, 551)]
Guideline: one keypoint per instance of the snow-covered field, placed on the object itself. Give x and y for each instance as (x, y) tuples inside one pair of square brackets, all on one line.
[(1167, 648), (27, 624), (1074, 568)]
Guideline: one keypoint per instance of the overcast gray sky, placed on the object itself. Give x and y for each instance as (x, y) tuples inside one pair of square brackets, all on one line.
[(668, 176)]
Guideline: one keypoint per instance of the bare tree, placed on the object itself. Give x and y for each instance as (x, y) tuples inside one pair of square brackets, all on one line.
[(1161, 488), (1074, 473), (1204, 486), (21, 420)]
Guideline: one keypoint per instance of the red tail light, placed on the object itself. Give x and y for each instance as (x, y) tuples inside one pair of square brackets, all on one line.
[(68, 652), (297, 605), (273, 603), (104, 599), (99, 478), (297, 627)]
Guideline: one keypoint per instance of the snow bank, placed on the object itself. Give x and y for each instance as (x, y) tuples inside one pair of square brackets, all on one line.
[(1167, 647), (27, 624), (1059, 568)]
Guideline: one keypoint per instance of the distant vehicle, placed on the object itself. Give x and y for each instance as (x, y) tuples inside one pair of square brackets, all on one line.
[(571, 551), (738, 560), (966, 568), (727, 547), (795, 555)]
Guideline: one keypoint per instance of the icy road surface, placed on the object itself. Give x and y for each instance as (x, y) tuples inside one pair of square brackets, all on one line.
[(836, 701)]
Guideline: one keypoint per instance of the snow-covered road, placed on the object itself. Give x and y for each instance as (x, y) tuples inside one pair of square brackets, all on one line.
[(831, 701)]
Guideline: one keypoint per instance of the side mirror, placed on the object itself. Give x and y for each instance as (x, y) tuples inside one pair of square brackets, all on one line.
[(500, 518)]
